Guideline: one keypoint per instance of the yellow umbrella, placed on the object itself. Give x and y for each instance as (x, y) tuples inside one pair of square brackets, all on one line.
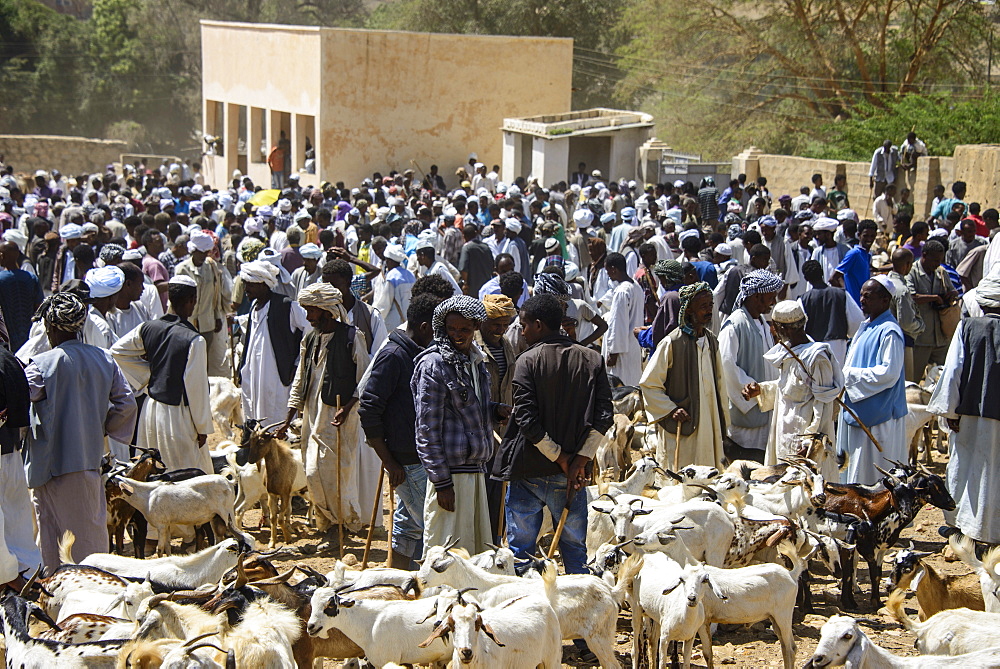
[(262, 197)]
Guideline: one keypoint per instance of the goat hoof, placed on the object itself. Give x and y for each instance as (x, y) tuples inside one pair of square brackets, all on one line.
[(848, 604), (307, 549)]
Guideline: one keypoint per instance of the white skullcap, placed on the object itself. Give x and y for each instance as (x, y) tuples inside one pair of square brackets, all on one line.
[(285, 204), (513, 225), (596, 173), (691, 232), (310, 251), (182, 280), (937, 232), (551, 244), (302, 214), (825, 224), (724, 249), (847, 213), (679, 183), (648, 224), (886, 283), (395, 252), (200, 241), (71, 231), (88, 228), (788, 311), (40, 173), (259, 271), (133, 254), (253, 226), (423, 243), (478, 165), (583, 218), (513, 190), (17, 237), (104, 281), (575, 188)]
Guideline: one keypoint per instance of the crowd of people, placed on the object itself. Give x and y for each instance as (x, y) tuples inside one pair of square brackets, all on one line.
[(464, 335)]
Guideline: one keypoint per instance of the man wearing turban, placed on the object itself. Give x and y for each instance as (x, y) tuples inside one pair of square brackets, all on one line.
[(332, 360), (683, 386), (78, 396), (392, 287), (966, 396), (210, 312), (271, 338)]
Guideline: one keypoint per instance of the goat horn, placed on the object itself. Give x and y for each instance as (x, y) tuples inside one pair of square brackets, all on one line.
[(712, 493), (309, 571), (241, 574), (633, 501), (462, 592), (675, 476), (884, 472), (623, 544), (155, 600), (199, 638), (451, 543), (489, 545), (271, 427), (203, 645), (277, 580), (31, 581)]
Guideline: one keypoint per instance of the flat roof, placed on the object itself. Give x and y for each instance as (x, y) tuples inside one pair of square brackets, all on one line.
[(240, 25), (584, 122)]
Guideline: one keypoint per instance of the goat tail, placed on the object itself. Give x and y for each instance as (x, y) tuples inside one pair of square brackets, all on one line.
[(787, 549), (66, 547), (549, 579), (628, 571), (895, 607), (965, 548)]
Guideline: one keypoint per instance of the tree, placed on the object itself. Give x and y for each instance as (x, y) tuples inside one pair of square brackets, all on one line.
[(777, 68)]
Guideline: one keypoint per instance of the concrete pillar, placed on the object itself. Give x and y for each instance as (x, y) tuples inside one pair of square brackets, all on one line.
[(232, 131), (747, 163), (549, 159), (301, 127), (511, 157), (254, 122), (273, 128)]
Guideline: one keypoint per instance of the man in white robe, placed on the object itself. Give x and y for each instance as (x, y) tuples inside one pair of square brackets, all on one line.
[(176, 416), (323, 391), (682, 386), (311, 271), (129, 313), (966, 396), (803, 398), (625, 304), (392, 293), (268, 365), (213, 296), (875, 389), (429, 264)]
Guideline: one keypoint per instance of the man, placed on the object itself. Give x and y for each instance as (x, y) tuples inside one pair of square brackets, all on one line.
[(562, 410), (885, 208), (64, 268), (946, 206), (828, 251), (387, 416), (361, 315), (78, 396), (802, 400), (874, 390), (801, 251), (392, 287), (128, 312), (856, 267), (454, 424), (104, 283), (966, 240), (210, 311), (727, 291), (781, 252), (475, 262), (932, 290), (271, 340), (670, 276), (883, 168), (966, 396), (580, 177), (838, 196), (903, 308), (911, 149), (310, 272), (18, 550), (831, 315), (332, 360), (428, 264), (743, 340), (166, 358), (683, 386), (504, 266), (20, 295), (625, 313)]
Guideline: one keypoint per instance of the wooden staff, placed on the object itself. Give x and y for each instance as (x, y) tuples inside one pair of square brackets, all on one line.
[(376, 507), (677, 447), (839, 400), (392, 510), (570, 492), (340, 491)]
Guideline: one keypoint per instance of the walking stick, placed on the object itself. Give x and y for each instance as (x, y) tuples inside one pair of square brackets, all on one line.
[(232, 357), (839, 400), (376, 507), (677, 447), (392, 510), (570, 492), (340, 491)]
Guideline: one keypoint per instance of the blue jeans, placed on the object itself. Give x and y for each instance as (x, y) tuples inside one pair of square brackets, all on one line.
[(526, 502), (408, 518)]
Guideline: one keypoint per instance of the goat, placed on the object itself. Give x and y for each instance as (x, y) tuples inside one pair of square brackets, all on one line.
[(173, 654), (183, 571), (161, 618), (261, 630), (587, 606), (688, 483), (122, 604), (674, 613), (935, 592), (227, 404), (281, 477), (496, 560), (342, 577), (949, 632), (527, 625), (986, 569), (203, 499), (120, 511), (599, 528), (843, 643)]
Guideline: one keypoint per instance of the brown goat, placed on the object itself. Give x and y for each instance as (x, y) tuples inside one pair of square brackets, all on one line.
[(279, 478)]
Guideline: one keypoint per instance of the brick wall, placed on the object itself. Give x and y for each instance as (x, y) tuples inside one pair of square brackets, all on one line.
[(69, 155)]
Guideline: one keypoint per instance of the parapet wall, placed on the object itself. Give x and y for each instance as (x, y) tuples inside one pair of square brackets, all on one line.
[(70, 155)]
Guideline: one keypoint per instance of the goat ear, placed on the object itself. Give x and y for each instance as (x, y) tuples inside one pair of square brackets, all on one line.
[(126, 488), (601, 506), (715, 589), (671, 588), (438, 632), (487, 630), (345, 603)]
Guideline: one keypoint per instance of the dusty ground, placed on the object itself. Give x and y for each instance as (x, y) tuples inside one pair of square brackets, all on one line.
[(754, 646)]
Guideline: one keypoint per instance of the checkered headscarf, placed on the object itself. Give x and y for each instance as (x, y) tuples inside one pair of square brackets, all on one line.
[(466, 306), (687, 295), (63, 311), (548, 283), (758, 281)]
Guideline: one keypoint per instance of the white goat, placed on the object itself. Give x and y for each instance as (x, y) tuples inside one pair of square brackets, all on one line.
[(341, 576), (264, 636), (987, 568), (226, 402), (183, 571), (496, 560), (948, 632), (843, 643)]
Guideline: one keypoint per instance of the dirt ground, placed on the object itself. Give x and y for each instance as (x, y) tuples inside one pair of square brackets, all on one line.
[(748, 646)]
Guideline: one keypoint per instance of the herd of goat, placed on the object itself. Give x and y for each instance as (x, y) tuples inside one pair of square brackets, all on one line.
[(680, 551)]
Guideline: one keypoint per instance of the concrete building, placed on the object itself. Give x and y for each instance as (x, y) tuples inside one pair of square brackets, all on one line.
[(550, 147), (369, 100)]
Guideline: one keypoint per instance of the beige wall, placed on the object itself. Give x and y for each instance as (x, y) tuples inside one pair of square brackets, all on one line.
[(978, 165), (70, 155), (392, 97)]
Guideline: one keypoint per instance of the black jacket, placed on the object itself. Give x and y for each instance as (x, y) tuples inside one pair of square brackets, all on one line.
[(560, 389), (13, 399), (386, 404)]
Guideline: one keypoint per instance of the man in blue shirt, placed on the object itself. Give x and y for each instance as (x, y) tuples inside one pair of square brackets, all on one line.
[(20, 295), (943, 207), (855, 268)]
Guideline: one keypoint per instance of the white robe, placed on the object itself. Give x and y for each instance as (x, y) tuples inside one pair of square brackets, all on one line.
[(800, 405), (862, 382), (975, 454), (704, 445), (124, 321), (265, 397), (625, 314), (323, 441), (172, 429), (736, 378), (392, 297)]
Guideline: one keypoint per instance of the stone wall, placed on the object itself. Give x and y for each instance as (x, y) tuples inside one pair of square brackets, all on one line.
[(69, 155)]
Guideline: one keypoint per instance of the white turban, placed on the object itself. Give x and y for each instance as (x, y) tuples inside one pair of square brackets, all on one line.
[(310, 251), (71, 231), (182, 280), (200, 241), (583, 218), (104, 281), (395, 252), (847, 213), (132, 255), (988, 290), (513, 225), (724, 249), (825, 224), (284, 204), (17, 237), (423, 243), (692, 232), (324, 296), (259, 271), (268, 254), (253, 226)]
